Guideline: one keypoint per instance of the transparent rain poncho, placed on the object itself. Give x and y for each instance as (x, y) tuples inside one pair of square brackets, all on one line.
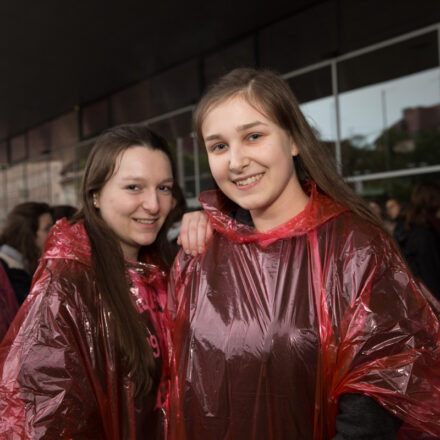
[(271, 328), (61, 375)]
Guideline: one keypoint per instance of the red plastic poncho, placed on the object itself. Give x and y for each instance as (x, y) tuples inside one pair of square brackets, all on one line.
[(8, 303), (60, 374), (271, 328)]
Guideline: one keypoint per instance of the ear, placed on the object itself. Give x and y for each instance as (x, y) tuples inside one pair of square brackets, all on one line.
[(293, 148), (95, 200)]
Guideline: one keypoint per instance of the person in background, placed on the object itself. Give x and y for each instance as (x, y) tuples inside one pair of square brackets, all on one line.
[(394, 213), (61, 211), (419, 238), (87, 354), (22, 241), (300, 320), (8, 303)]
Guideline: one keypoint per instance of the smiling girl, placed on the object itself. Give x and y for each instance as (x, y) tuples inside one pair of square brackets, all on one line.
[(86, 356), (300, 320)]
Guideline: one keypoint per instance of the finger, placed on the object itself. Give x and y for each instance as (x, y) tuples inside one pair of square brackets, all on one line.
[(183, 236), (208, 233), (201, 233), (193, 232)]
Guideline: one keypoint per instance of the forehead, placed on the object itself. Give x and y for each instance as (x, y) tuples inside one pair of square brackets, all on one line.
[(143, 161), (391, 203), (45, 219), (237, 109)]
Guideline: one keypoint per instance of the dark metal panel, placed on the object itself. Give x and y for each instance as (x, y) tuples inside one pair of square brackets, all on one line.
[(302, 39), (365, 22)]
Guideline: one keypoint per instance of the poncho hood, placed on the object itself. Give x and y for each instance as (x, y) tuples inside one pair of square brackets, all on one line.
[(318, 211), (68, 242)]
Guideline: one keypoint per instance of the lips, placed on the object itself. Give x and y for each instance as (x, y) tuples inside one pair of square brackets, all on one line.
[(248, 180)]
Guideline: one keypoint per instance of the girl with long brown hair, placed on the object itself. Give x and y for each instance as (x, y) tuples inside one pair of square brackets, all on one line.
[(300, 320), (87, 355)]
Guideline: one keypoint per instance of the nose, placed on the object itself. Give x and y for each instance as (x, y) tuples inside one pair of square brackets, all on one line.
[(150, 202), (238, 160)]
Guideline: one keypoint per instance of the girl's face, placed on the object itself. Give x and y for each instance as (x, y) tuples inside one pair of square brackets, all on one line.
[(250, 158), (136, 200), (45, 222)]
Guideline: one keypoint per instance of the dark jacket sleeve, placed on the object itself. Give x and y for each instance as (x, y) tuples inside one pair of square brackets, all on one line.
[(423, 253), (361, 417), (20, 281)]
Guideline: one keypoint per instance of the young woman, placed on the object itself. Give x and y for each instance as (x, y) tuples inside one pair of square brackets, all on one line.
[(300, 320), (22, 242), (85, 356)]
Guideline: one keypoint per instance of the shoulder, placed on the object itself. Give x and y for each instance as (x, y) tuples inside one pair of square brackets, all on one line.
[(349, 228), (355, 245), (63, 285)]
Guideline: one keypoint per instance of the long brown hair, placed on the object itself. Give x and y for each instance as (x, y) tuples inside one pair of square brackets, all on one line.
[(108, 261), (20, 231), (269, 94)]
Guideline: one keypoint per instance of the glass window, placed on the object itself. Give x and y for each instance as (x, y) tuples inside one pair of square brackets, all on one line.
[(39, 140), (65, 130), (313, 91), (18, 148), (390, 110), (16, 185), (38, 180), (3, 195), (380, 190)]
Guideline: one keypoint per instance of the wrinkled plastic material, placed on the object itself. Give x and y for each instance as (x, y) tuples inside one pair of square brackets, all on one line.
[(271, 328), (60, 374), (8, 303)]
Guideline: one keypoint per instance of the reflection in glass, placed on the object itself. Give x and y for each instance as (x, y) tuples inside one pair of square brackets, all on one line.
[(391, 125), (320, 114), (314, 93), (400, 188)]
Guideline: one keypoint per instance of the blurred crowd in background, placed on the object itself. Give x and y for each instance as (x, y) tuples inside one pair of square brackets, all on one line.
[(415, 226)]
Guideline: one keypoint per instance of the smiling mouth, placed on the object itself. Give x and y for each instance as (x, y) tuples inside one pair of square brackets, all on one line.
[(144, 221), (248, 180)]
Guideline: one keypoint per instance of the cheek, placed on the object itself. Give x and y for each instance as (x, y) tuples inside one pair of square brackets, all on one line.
[(218, 167), (115, 205)]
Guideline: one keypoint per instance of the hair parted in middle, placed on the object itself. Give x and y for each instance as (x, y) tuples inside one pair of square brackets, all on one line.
[(271, 96), (108, 261)]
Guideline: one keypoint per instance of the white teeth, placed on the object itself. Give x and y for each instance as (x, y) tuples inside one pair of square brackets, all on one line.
[(248, 180), (145, 222)]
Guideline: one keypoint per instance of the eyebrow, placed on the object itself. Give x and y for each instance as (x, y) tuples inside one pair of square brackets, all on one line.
[(238, 128), (250, 125), (141, 179)]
